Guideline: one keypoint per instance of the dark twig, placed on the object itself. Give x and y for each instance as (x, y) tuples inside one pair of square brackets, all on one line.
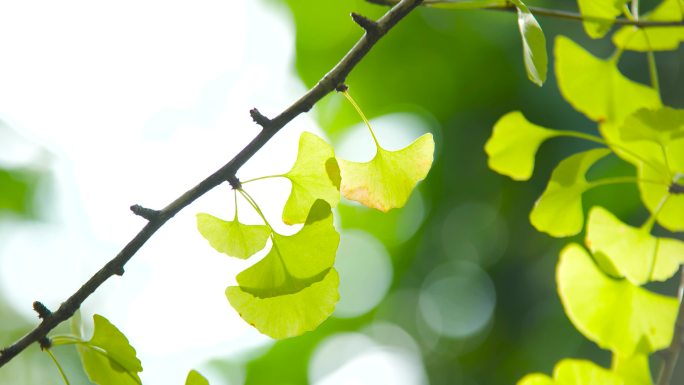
[(554, 13), (259, 118), (327, 84), (369, 25), (42, 310), (671, 354), (676, 188), (144, 212)]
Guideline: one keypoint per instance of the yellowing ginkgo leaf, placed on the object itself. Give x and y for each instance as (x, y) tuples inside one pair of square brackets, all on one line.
[(596, 87), (631, 252), (599, 15), (558, 211), (315, 175), (513, 145), (108, 358), (534, 44), (574, 372), (294, 287), (232, 237), (386, 182), (640, 321), (654, 38)]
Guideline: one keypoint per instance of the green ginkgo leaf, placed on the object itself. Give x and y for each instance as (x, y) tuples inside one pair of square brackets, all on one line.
[(656, 196), (654, 38), (195, 378), (641, 322), (558, 211), (232, 237), (633, 369), (108, 358), (630, 252), (386, 182), (315, 175), (574, 372), (599, 15), (513, 145), (660, 126), (294, 287), (596, 87), (534, 44)]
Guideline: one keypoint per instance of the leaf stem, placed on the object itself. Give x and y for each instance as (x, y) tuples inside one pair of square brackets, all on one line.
[(363, 117), (262, 177), (613, 180), (253, 203), (235, 203), (652, 68), (59, 367), (648, 225)]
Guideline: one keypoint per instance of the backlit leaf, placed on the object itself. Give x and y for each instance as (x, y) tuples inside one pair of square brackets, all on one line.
[(574, 372), (603, 13), (315, 175), (107, 357), (513, 145), (294, 287), (634, 369), (630, 252), (195, 378), (232, 237), (386, 182), (596, 87), (534, 44), (654, 38), (558, 211), (640, 321)]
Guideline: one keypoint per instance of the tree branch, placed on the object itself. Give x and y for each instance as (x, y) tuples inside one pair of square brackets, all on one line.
[(328, 83), (537, 11)]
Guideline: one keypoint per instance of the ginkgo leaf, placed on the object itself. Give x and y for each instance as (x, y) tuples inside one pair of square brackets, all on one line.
[(195, 378), (558, 211), (599, 15), (293, 288), (315, 175), (633, 369), (630, 252), (654, 38), (534, 44), (660, 126), (288, 315), (657, 197), (386, 182), (232, 237), (574, 372), (596, 87), (513, 145), (640, 321), (108, 358)]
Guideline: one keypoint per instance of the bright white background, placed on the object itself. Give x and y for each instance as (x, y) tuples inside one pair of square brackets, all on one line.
[(135, 102)]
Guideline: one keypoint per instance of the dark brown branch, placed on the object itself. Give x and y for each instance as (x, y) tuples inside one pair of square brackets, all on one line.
[(676, 188), (367, 24), (259, 118), (671, 354), (328, 83), (144, 212), (556, 14)]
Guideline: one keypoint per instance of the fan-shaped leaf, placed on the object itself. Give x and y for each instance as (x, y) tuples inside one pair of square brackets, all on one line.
[(640, 321), (596, 87), (513, 145), (654, 38), (630, 252), (574, 372), (558, 211), (386, 182), (599, 15), (294, 288), (232, 237), (315, 175), (108, 358)]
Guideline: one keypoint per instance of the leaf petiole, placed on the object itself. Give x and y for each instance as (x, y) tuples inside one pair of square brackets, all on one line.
[(262, 177), (361, 114), (59, 367), (253, 203)]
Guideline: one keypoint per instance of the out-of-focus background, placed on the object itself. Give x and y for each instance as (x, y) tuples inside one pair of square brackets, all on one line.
[(103, 105)]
